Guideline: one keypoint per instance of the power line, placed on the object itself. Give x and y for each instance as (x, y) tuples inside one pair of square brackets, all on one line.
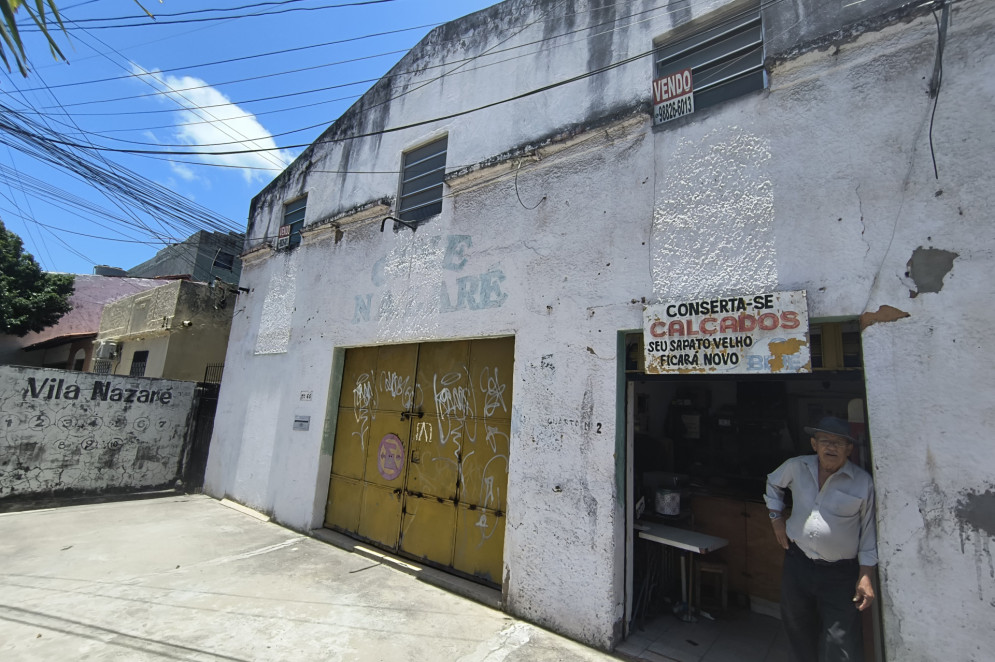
[(460, 62), (320, 141), (492, 51), (247, 101), (228, 153), (160, 202), (147, 23), (223, 127), (191, 12), (252, 57)]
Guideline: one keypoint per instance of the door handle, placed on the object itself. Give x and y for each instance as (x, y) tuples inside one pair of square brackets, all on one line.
[(415, 457)]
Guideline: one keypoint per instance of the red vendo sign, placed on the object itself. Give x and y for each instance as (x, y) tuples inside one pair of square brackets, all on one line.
[(672, 86)]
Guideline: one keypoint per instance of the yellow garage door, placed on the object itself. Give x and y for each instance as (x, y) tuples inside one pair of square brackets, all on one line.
[(420, 459)]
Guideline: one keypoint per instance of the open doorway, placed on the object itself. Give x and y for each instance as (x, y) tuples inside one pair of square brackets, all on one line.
[(701, 447)]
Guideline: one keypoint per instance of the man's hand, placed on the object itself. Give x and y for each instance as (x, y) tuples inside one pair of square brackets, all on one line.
[(865, 589), (779, 532)]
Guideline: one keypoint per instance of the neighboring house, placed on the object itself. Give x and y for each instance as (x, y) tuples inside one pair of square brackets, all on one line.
[(69, 343), (176, 331), (204, 256), (530, 276)]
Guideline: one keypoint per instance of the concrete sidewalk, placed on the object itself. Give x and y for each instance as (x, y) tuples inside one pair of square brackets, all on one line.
[(187, 578)]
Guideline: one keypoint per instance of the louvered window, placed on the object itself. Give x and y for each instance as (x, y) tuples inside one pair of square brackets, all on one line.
[(293, 223), (421, 181), (726, 60)]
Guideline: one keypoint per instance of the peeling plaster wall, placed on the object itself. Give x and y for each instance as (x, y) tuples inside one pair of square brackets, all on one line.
[(486, 267), (59, 435), (575, 36), (824, 182)]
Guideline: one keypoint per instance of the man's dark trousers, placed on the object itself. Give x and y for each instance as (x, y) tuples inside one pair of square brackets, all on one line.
[(821, 620)]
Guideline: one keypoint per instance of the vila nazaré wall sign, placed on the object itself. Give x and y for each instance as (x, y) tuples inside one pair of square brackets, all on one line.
[(763, 333)]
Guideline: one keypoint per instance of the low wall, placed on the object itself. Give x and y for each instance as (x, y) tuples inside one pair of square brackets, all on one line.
[(66, 432)]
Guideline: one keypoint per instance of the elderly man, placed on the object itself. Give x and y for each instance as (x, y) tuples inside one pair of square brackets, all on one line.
[(830, 543)]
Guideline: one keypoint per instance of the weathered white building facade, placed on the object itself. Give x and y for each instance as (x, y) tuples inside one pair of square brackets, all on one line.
[(564, 210)]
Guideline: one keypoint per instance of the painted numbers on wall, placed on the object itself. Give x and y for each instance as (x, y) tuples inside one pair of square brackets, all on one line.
[(69, 430)]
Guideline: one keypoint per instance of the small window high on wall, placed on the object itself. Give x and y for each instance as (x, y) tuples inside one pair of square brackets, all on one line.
[(726, 59), (224, 261), (422, 177), (293, 223)]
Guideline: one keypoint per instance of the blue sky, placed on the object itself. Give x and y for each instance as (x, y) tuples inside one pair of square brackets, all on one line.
[(134, 87)]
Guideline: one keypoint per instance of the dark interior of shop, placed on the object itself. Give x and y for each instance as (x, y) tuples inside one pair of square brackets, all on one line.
[(725, 435), (702, 448)]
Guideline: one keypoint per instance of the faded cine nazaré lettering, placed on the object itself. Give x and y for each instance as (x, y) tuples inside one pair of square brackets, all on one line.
[(103, 391), (449, 253)]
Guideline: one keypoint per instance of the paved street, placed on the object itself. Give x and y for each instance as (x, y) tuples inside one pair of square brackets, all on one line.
[(187, 578)]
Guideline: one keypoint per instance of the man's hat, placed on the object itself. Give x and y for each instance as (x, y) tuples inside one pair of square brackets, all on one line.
[(832, 425)]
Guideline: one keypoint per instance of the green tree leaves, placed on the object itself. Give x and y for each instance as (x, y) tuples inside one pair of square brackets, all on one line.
[(30, 300), (10, 38)]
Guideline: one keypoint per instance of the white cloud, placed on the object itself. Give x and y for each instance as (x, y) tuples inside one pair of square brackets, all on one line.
[(206, 118), (184, 171)]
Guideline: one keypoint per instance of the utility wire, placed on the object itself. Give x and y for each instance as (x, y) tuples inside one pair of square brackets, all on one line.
[(321, 141), (217, 85), (445, 64), (461, 62), (145, 23), (191, 12), (41, 144), (252, 57), (217, 124)]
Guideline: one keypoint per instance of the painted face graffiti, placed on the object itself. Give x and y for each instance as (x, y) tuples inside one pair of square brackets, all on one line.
[(390, 457)]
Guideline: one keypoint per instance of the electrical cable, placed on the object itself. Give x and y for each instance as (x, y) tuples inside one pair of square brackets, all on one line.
[(146, 23), (158, 154), (191, 12), (461, 62), (148, 195), (937, 80), (235, 81), (243, 58), (322, 141), (116, 199), (38, 242), (409, 91), (223, 127)]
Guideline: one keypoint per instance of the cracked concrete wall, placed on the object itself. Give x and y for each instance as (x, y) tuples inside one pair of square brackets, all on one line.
[(824, 183), (66, 432)]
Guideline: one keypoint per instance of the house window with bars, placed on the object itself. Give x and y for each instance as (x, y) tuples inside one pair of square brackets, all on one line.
[(138, 362), (726, 60), (422, 173)]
